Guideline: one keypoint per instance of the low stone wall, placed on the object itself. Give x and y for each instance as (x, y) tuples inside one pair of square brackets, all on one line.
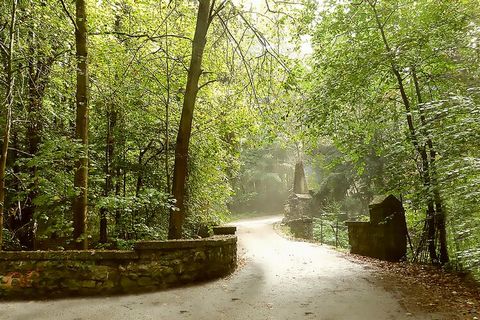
[(385, 235), (301, 228), (152, 265), (383, 242)]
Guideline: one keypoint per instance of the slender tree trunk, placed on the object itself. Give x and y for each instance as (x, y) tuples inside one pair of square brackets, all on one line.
[(120, 221), (81, 128), (38, 75), (421, 149), (118, 213), (139, 183), (167, 114), (10, 82), (12, 157), (180, 170), (440, 213), (26, 235), (109, 149), (442, 229)]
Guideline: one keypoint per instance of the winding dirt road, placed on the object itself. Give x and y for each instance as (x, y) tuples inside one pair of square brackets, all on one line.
[(278, 279)]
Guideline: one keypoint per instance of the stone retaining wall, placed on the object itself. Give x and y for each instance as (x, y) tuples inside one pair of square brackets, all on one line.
[(152, 265), (384, 236), (301, 228)]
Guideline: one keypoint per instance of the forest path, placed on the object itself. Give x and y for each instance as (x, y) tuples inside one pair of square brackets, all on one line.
[(277, 279)]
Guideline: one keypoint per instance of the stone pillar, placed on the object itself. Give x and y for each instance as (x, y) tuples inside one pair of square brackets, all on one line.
[(299, 182)]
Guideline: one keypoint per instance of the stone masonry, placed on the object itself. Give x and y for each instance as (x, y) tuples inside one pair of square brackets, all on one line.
[(152, 265), (385, 235)]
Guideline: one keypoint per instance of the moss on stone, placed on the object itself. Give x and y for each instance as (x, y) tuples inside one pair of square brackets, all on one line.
[(30, 275)]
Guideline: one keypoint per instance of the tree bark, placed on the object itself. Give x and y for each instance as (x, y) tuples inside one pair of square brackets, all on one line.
[(10, 82), (180, 170), (81, 128)]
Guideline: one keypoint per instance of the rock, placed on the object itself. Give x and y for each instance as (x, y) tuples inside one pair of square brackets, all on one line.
[(88, 284), (144, 281), (200, 256), (127, 283)]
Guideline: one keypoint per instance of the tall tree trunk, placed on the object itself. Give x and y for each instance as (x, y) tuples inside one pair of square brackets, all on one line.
[(180, 170), (139, 184), (440, 213), (10, 82), (81, 128), (16, 187), (119, 227), (109, 149), (120, 146), (26, 234), (167, 113), (38, 75), (421, 149)]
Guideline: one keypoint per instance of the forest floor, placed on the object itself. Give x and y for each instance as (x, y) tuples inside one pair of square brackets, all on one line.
[(277, 279), (425, 288)]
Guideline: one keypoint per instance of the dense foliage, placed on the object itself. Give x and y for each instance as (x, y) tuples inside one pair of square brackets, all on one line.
[(138, 61), (387, 103), (395, 87)]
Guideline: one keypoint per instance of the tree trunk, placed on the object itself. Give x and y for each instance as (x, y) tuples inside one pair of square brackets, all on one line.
[(10, 82), (119, 228), (180, 170), (167, 114), (421, 149), (440, 213), (120, 146), (38, 75), (26, 234), (109, 149), (81, 128)]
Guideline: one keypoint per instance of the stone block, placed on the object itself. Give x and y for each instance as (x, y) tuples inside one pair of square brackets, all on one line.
[(224, 230), (144, 281), (127, 284), (88, 284), (384, 236), (200, 256), (107, 284)]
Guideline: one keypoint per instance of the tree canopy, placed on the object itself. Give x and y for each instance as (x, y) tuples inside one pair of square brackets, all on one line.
[(124, 119)]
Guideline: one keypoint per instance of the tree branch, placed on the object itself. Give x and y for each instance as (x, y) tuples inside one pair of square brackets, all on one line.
[(207, 83), (244, 61), (68, 14), (265, 43), (143, 35), (214, 13)]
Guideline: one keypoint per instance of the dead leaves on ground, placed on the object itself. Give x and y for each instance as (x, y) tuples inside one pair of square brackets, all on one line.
[(426, 288)]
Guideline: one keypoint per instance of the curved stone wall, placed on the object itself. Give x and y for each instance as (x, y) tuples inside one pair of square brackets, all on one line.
[(152, 265)]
